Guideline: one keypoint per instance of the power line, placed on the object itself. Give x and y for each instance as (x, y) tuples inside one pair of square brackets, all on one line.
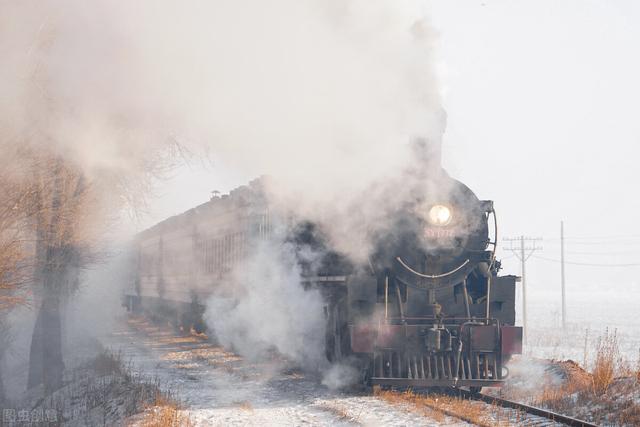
[(618, 237), (603, 253), (588, 264), (602, 243), (597, 253), (562, 276), (523, 253)]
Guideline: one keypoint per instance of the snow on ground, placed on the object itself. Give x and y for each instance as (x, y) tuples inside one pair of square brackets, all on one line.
[(589, 313), (566, 388), (219, 388), (96, 391)]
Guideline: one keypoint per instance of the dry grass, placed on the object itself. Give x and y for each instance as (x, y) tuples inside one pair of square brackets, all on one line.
[(439, 406), (109, 363), (606, 364), (100, 391), (630, 416), (340, 412), (397, 398), (560, 397), (143, 396), (245, 405), (607, 393), (165, 412)]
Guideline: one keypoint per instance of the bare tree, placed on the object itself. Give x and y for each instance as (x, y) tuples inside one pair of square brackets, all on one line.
[(58, 228), (72, 215), (17, 257), (16, 208), (42, 235), (59, 207)]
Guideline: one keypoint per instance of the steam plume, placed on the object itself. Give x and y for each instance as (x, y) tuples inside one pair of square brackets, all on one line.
[(323, 95), (314, 93)]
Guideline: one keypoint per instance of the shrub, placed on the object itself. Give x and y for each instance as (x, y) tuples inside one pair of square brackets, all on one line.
[(606, 363)]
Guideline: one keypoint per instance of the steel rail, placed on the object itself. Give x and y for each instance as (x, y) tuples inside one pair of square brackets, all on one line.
[(550, 415)]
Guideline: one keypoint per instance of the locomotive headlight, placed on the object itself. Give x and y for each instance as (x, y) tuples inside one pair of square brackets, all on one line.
[(439, 215)]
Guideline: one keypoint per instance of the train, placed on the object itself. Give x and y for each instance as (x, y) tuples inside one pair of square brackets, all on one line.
[(429, 307)]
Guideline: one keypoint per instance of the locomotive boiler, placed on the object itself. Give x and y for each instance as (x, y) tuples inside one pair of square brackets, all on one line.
[(428, 308)]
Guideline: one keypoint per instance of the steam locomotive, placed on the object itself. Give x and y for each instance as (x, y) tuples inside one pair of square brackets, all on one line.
[(428, 309)]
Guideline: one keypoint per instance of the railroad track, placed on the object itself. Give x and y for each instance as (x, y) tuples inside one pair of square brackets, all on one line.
[(552, 417), (498, 411)]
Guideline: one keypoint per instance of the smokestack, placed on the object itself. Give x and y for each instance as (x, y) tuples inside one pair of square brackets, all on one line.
[(427, 159), (427, 150), (428, 153)]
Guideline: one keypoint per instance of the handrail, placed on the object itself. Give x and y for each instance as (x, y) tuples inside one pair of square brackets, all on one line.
[(428, 276)]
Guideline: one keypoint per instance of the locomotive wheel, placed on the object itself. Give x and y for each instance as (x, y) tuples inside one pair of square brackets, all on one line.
[(199, 326), (185, 323), (337, 335), (366, 371), (175, 323), (333, 338)]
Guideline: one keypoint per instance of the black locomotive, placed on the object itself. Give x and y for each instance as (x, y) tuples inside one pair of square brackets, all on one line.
[(428, 309)]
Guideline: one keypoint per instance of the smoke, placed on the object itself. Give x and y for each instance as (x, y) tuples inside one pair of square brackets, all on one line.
[(314, 93), (341, 375), (322, 95), (264, 308), (527, 376)]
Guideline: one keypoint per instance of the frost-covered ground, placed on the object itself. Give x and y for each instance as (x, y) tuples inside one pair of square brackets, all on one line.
[(99, 391), (219, 388), (592, 314), (589, 313), (564, 387)]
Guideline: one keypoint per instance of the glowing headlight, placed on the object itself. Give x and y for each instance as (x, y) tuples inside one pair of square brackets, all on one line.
[(439, 215)]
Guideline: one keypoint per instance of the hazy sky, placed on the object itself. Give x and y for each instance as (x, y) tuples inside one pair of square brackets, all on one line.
[(543, 102)]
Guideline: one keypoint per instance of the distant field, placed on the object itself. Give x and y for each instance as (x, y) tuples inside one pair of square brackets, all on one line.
[(589, 313)]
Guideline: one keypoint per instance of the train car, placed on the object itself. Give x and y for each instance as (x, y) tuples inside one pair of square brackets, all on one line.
[(182, 260), (428, 309)]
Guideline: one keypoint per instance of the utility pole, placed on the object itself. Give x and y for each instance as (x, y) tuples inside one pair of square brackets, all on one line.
[(523, 259), (523, 253), (564, 300)]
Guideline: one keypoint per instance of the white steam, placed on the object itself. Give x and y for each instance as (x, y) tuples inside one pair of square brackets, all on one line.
[(323, 95), (315, 93), (340, 375), (265, 308)]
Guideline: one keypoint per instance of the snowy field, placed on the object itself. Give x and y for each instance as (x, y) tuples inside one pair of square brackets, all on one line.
[(589, 314), (219, 388)]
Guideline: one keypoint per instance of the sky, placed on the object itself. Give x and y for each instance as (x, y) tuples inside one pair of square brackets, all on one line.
[(542, 99), (543, 104)]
